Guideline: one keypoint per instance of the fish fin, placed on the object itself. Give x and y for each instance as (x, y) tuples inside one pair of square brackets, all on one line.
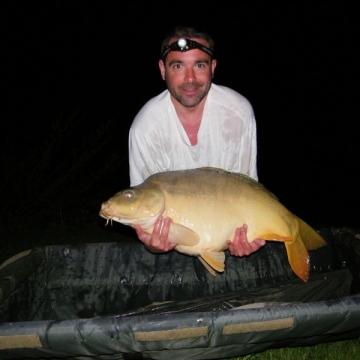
[(297, 250), (299, 258), (309, 236), (182, 235), (208, 267), (213, 168), (274, 237), (215, 259), (297, 247)]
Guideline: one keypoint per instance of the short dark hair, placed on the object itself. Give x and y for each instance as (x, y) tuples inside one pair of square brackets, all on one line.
[(187, 32)]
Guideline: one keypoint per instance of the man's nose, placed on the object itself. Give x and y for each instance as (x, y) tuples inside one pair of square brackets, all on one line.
[(190, 75)]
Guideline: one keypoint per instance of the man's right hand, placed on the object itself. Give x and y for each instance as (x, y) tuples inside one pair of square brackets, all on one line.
[(157, 242)]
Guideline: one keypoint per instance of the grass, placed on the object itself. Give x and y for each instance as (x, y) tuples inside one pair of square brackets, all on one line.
[(340, 350)]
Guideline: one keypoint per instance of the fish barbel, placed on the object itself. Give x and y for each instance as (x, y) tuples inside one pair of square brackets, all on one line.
[(206, 205)]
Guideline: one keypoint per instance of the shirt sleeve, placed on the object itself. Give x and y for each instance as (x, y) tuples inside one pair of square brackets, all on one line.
[(253, 151)]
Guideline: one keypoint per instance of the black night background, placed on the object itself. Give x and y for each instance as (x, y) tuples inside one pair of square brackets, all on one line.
[(75, 73)]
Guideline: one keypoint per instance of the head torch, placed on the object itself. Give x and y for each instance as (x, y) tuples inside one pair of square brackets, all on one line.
[(184, 45)]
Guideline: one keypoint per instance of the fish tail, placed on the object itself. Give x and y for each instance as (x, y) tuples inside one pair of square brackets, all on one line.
[(297, 249), (309, 236), (299, 258)]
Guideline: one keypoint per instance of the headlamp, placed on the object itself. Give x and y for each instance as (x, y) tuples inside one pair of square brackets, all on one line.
[(185, 45)]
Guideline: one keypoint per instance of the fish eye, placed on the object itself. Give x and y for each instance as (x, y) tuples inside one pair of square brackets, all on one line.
[(128, 194)]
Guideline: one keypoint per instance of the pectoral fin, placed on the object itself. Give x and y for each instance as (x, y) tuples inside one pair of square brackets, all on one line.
[(214, 259), (182, 235)]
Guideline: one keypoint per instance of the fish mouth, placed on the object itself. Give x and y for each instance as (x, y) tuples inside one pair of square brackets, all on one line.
[(108, 213), (106, 216), (109, 218)]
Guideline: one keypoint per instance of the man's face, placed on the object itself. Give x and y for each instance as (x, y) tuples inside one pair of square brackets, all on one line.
[(188, 75)]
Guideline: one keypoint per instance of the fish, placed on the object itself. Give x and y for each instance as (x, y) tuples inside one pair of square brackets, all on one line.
[(206, 205)]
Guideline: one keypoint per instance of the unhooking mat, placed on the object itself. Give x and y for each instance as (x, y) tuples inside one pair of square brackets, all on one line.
[(118, 301)]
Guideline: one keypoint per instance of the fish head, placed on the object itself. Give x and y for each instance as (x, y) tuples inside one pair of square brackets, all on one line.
[(137, 205)]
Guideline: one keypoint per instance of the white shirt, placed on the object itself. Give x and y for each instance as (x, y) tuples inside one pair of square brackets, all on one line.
[(226, 137)]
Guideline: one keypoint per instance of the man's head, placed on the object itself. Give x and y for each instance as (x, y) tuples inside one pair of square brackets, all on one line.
[(187, 64), (186, 33)]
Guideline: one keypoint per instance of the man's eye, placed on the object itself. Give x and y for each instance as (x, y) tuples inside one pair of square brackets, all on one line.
[(200, 66), (177, 66)]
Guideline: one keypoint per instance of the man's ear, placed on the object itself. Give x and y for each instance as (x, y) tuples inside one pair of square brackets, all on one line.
[(162, 68), (213, 66)]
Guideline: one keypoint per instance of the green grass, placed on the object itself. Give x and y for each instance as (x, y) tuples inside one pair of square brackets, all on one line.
[(340, 350)]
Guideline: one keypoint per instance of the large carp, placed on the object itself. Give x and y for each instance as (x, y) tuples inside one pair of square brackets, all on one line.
[(206, 205)]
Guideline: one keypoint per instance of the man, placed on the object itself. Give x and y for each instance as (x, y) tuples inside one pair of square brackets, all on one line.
[(194, 123)]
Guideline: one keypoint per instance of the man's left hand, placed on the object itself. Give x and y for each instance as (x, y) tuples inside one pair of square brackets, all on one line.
[(240, 245)]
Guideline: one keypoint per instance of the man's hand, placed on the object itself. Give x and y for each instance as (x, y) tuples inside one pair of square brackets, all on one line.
[(240, 245), (158, 241)]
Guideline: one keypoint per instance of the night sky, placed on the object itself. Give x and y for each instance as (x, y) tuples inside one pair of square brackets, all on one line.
[(296, 63)]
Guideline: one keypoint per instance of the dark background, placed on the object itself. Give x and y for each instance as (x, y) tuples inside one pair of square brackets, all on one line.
[(297, 64)]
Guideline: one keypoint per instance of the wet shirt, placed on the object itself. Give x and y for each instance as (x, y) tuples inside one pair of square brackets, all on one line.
[(226, 138)]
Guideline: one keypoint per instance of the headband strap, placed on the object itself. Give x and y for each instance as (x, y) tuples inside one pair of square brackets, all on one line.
[(184, 45)]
